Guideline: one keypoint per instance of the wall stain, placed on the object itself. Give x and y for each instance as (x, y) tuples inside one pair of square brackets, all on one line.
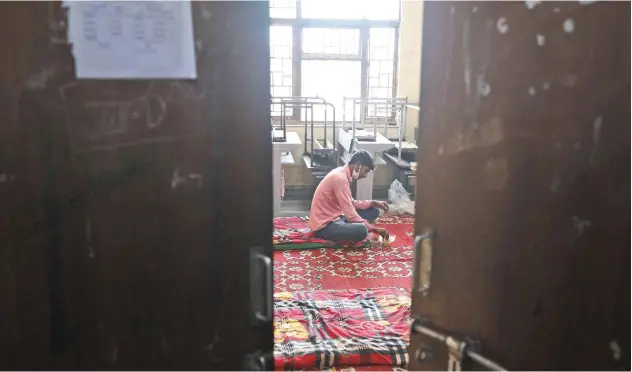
[(495, 173), (487, 134)]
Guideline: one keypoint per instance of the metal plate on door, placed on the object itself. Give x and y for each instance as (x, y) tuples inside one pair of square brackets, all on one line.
[(261, 286), (423, 262)]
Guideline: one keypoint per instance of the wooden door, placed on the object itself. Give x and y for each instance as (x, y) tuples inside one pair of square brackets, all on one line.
[(130, 207), (523, 174)]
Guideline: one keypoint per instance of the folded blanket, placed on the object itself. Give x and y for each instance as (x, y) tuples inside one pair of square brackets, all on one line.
[(324, 329), (293, 230)]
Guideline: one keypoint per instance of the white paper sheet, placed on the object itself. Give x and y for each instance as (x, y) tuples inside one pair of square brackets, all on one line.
[(132, 39)]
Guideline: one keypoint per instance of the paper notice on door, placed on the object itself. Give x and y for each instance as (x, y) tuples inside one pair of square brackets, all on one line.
[(132, 39)]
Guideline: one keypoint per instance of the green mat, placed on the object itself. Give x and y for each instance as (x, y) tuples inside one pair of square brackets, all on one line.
[(300, 246)]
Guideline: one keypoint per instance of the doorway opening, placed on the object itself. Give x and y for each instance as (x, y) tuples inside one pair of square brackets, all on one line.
[(344, 77)]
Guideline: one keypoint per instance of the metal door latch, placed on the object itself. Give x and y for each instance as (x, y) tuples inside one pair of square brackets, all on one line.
[(459, 351), (455, 354)]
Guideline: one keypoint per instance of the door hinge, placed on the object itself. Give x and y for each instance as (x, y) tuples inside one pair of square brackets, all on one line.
[(459, 351)]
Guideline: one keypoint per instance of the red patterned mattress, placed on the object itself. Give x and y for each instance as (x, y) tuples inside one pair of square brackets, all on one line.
[(318, 330), (317, 269)]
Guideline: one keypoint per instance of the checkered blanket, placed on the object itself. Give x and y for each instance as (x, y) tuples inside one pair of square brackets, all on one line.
[(350, 327)]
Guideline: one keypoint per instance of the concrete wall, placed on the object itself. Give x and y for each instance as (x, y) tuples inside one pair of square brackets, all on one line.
[(409, 67), (408, 86)]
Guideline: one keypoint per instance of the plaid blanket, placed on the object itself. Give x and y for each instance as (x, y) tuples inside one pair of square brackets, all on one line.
[(350, 327)]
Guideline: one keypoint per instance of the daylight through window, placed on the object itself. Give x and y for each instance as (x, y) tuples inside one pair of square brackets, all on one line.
[(333, 49)]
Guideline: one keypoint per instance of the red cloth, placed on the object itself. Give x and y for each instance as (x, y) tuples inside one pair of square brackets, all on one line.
[(323, 329), (327, 268)]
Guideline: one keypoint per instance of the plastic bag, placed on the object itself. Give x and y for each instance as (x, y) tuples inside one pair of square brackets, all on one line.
[(399, 198)]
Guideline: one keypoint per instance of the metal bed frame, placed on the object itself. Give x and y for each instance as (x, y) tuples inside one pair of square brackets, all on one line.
[(307, 104), (282, 125), (402, 127), (369, 105)]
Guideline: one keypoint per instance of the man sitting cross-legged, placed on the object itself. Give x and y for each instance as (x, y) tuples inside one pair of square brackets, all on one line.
[(334, 215)]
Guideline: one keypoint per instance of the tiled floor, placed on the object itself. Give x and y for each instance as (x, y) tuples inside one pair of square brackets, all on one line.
[(295, 208)]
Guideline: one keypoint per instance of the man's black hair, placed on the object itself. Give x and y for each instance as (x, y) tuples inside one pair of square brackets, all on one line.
[(362, 157)]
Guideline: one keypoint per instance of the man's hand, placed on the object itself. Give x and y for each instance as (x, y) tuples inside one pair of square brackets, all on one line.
[(380, 204), (382, 232)]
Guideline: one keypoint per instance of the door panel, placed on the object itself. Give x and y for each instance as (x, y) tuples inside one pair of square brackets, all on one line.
[(524, 175), (136, 197)]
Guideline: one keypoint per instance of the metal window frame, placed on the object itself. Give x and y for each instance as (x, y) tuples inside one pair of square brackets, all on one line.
[(363, 25)]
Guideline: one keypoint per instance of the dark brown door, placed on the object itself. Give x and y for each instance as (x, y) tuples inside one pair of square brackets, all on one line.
[(524, 177), (131, 208)]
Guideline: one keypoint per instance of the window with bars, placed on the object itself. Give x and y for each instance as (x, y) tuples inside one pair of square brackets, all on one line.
[(333, 49), (281, 76)]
